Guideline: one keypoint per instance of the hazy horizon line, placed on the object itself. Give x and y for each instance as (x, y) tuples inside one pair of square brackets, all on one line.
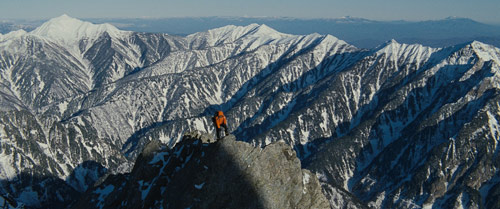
[(255, 17)]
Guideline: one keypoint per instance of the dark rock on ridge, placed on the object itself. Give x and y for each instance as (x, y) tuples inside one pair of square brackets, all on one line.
[(199, 174)]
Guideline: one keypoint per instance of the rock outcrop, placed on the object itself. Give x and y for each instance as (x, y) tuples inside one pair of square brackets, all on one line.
[(8, 203), (199, 174)]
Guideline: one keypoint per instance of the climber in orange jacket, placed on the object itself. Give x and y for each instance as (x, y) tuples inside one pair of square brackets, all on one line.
[(219, 121)]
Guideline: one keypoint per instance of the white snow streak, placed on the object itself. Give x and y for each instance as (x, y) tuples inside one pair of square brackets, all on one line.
[(306, 178), (199, 186)]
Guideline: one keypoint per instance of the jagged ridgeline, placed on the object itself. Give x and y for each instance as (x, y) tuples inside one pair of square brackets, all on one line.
[(397, 126), (199, 174)]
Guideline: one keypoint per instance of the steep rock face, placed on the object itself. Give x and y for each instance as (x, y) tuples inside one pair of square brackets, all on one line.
[(224, 174), (49, 76), (8, 203), (428, 138)]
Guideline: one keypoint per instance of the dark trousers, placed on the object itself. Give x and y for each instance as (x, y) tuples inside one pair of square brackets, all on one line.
[(219, 130)]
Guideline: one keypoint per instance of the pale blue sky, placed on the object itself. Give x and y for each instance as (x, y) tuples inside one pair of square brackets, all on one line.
[(480, 10)]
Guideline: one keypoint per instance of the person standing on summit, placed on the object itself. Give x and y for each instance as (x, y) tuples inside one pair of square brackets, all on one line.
[(220, 121)]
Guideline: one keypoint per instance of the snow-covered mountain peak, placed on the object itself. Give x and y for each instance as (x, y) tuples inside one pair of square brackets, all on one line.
[(12, 34), (390, 43), (264, 30), (486, 52), (388, 46), (332, 39), (7, 41), (328, 43), (229, 34), (69, 31), (252, 29), (396, 51)]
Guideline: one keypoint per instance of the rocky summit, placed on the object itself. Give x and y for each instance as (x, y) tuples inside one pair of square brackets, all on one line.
[(199, 174)]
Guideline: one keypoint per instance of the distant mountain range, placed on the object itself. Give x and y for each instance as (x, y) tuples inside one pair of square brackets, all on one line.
[(394, 126), (359, 32)]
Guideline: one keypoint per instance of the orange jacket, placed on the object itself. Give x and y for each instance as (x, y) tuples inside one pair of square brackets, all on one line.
[(220, 119)]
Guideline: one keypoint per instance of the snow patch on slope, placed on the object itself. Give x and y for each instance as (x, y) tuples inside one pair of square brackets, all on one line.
[(6, 166), (486, 52), (103, 193)]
